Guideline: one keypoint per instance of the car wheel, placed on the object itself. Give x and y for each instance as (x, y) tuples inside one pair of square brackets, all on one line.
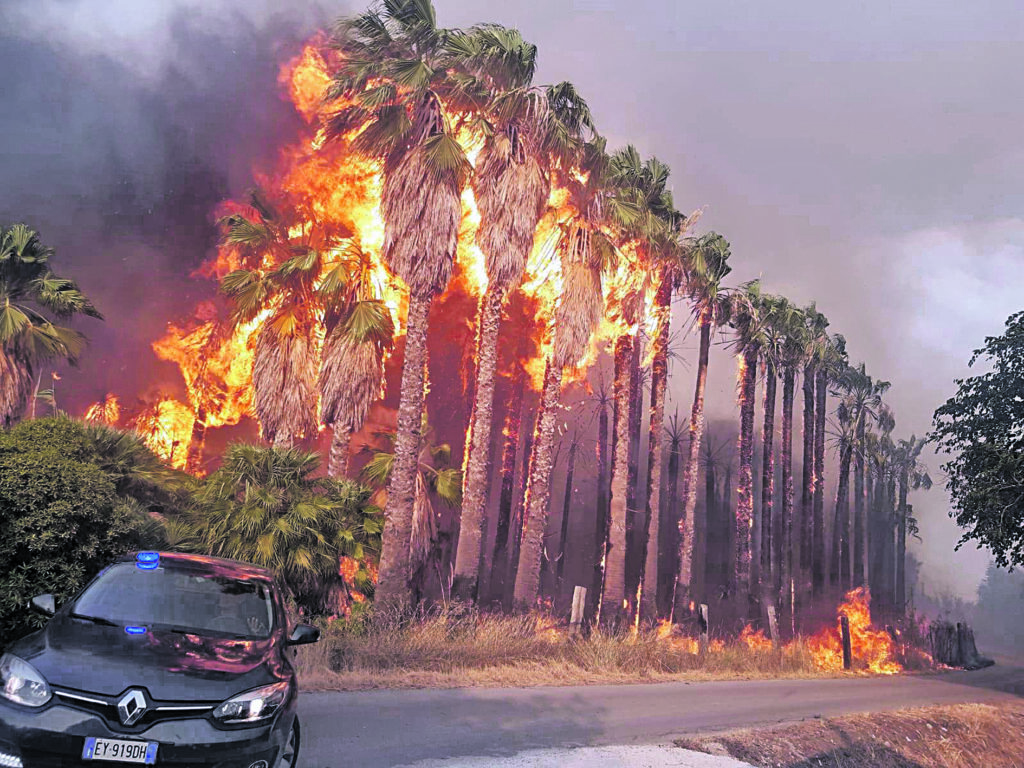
[(290, 754)]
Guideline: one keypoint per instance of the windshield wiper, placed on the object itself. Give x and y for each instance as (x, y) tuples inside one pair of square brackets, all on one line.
[(201, 632), (94, 619)]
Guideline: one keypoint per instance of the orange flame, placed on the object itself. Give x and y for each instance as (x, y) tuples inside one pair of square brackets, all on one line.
[(872, 648), (107, 411)]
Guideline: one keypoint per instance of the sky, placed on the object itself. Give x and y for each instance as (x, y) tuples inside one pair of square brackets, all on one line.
[(864, 155)]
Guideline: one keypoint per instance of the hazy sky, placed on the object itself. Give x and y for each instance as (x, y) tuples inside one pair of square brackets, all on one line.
[(866, 155)]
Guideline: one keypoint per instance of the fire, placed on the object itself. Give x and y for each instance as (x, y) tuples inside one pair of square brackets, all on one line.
[(107, 411), (872, 648), (167, 429), (755, 641)]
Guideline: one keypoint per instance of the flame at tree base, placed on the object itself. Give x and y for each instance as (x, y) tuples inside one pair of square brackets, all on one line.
[(873, 649)]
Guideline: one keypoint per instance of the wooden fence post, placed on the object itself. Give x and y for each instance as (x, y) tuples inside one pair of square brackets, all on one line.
[(702, 618), (579, 604), (847, 650), (773, 625)]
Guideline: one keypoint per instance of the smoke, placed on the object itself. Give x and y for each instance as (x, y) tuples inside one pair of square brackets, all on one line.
[(124, 124)]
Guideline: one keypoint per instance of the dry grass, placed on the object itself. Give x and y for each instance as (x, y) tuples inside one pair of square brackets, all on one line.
[(450, 650), (963, 736)]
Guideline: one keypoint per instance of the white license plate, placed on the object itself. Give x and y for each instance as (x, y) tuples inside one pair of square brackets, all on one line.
[(120, 750)]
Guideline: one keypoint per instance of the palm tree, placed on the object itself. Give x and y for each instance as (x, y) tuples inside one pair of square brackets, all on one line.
[(526, 131), (435, 478), (358, 334), (845, 439), (792, 357), (913, 475), (28, 290), (864, 396), (280, 289), (398, 86), (831, 364), (710, 304), (747, 323), (603, 401), (265, 506), (585, 251)]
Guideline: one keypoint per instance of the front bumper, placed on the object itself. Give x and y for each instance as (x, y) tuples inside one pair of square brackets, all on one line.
[(53, 738)]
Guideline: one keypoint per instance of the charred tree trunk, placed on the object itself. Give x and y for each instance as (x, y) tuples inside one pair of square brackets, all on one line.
[(393, 581), (652, 493), (671, 503), (807, 486), (901, 546), (538, 493), (840, 571), (743, 586), (707, 546), (499, 554), (634, 523), (519, 512), (859, 529), (194, 458), (477, 460), (601, 518), (818, 545), (614, 596), (682, 597), (784, 545), (875, 536), (570, 470), (768, 479)]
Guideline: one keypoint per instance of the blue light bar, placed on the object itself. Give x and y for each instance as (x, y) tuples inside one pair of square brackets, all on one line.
[(135, 630), (147, 561)]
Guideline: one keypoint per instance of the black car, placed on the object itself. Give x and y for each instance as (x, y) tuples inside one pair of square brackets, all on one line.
[(163, 659)]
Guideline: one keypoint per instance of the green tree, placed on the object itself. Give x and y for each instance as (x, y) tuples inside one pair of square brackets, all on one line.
[(912, 474), (30, 292), (266, 506), (981, 428)]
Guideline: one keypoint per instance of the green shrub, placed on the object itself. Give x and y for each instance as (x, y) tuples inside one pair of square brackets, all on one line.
[(61, 519)]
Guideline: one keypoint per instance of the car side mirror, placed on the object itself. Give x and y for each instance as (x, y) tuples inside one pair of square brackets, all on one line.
[(44, 604), (304, 634)]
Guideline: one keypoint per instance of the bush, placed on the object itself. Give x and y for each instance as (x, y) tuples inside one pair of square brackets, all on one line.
[(61, 519)]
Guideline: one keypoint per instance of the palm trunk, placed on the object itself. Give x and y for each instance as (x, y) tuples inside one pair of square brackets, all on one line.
[(874, 535), (818, 545), (566, 506), (519, 512), (652, 496), (601, 518), (614, 593), (393, 586), (337, 458), (728, 520), (784, 545), (194, 458), (743, 587), (634, 523), (768, 479), (283, 439), (499, 557), (477, 461), (538, 493), (890, 543), (841, 533), (859, 550), (807, 485), (901, 547), (682, 596)]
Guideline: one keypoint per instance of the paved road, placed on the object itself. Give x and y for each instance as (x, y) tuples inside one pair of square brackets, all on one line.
[(400, 728)]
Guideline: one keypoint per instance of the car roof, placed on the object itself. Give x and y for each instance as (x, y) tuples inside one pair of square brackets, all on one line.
[(219, 566)]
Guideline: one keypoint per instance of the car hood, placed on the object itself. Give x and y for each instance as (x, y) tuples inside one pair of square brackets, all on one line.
[(172, 666)]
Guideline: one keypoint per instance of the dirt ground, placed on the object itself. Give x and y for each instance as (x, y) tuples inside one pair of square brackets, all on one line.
[(964, 736)]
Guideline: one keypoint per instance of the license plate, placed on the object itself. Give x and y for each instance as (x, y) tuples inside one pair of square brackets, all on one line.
[(120, 750)]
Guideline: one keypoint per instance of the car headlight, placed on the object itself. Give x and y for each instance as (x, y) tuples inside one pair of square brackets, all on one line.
[(253, 706), (21, 683)]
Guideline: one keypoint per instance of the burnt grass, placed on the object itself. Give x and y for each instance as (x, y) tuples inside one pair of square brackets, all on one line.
[(962, 736)]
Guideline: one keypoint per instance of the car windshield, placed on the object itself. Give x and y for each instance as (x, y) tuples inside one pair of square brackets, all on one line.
[(184, 599)]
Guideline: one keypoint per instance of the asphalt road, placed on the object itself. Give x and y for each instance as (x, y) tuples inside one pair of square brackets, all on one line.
[(403, 727)]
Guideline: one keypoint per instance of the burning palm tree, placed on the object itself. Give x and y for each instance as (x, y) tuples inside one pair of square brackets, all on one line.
[(28, 290), (526, 130), (397, 87)]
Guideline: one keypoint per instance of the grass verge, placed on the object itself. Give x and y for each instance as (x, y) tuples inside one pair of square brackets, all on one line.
[(459, 650), (962, 736)]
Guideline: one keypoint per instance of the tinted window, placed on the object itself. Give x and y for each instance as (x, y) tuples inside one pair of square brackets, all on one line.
[(200, 602)]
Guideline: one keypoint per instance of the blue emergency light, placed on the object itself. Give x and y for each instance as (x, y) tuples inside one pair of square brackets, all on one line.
[(135, 630), (147, 561)]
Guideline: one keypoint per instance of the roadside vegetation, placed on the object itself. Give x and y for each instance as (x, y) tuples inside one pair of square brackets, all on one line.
[(964, 736)]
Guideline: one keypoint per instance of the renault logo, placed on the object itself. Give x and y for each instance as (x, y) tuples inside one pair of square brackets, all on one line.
[(131, 707)]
